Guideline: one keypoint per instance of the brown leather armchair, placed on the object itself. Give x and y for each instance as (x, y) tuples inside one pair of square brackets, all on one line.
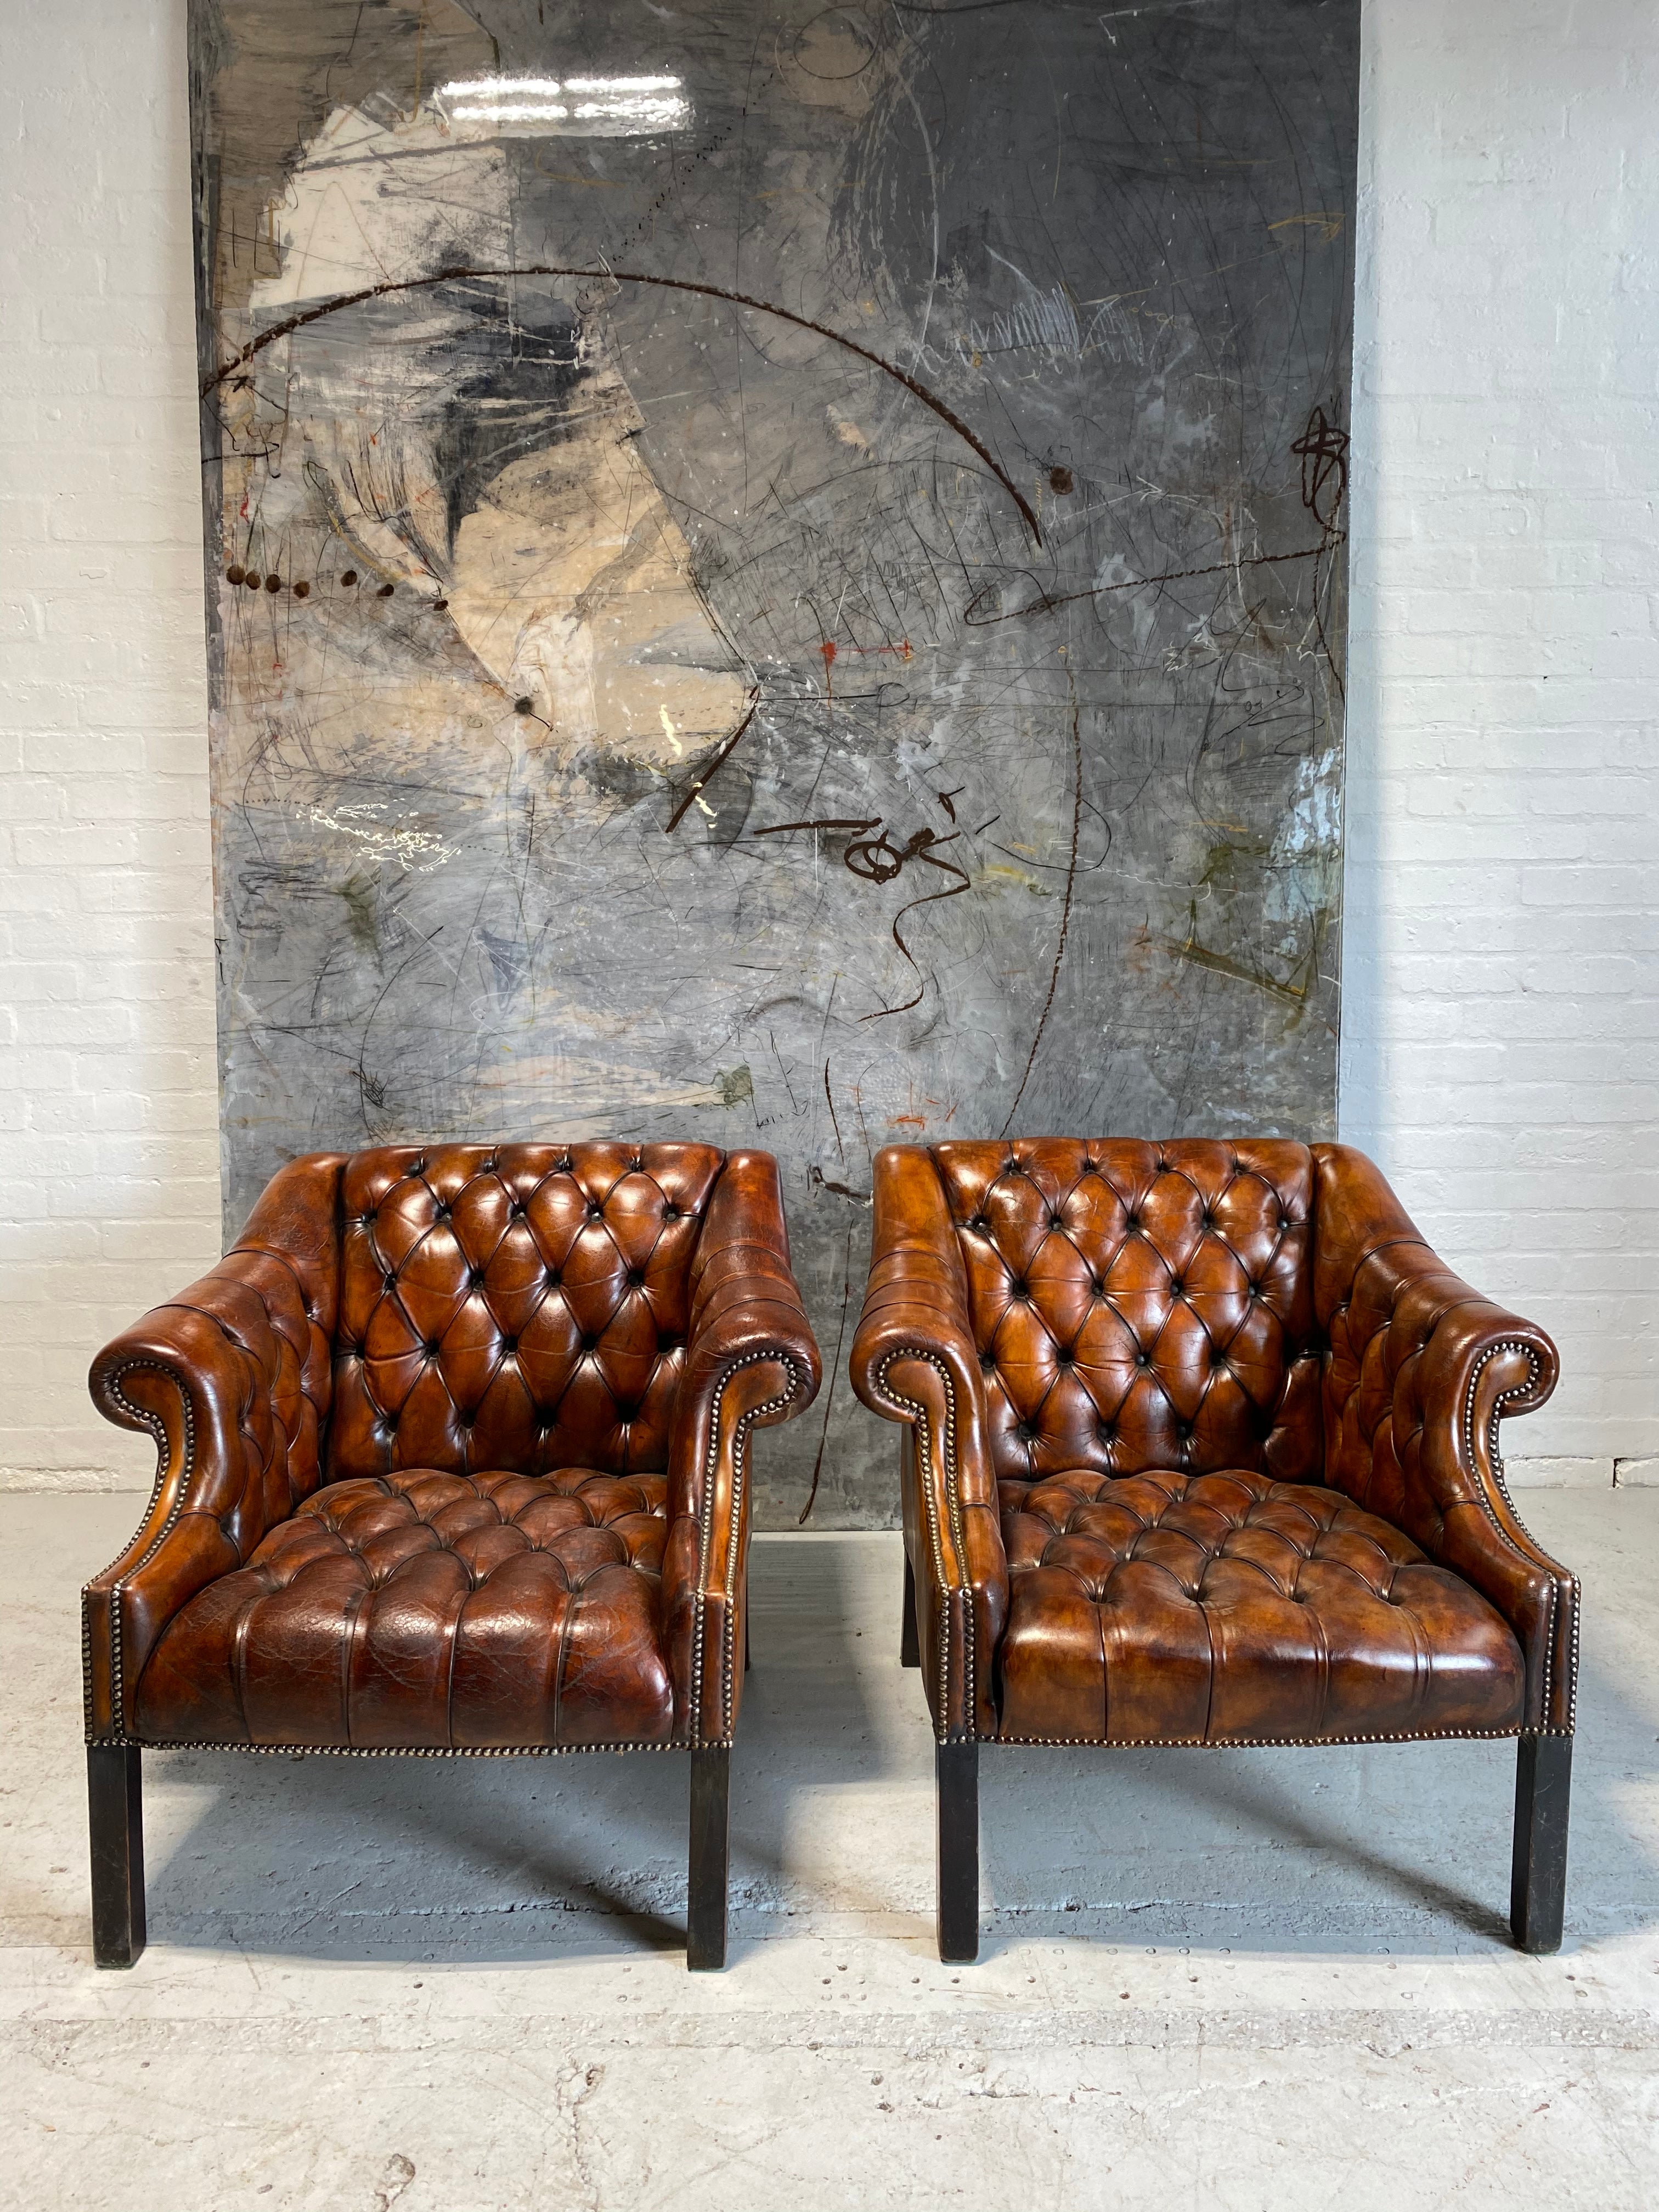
[(1202, 1448), (453, 1453)]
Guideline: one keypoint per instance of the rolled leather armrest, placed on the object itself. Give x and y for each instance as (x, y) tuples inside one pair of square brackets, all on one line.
[(232, 1378), (915, 1360), (751, 1361), (1421, 1370)]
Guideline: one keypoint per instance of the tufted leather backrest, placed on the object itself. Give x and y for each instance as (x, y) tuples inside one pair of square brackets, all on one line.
[(1141, 1305), (515, 1306)]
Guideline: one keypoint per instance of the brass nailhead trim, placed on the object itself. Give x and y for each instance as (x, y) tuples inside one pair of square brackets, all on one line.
[(157, 1428), (706, 1537), (916, 1413), (1266, 1742), (378, 1751), (1504, 1397)]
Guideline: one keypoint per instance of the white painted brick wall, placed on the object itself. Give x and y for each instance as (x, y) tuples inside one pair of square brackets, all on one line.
[(1501, 1023), (1502, 1014), (108, 1140)]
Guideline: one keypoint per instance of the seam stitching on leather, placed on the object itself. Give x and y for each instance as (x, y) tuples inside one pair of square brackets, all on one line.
[(918, 1413)]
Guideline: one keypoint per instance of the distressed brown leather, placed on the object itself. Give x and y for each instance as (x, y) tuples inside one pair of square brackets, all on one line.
[(1241, 1423), (915, 1359), (424, 1434)]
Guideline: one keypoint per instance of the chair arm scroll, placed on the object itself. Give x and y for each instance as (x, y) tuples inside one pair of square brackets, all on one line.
[(913, 1360), (233, 1379), (751, 1361)]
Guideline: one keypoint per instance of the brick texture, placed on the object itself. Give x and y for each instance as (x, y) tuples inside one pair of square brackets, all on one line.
[(1501, 1016), (109, 1173), (1501, 1025)]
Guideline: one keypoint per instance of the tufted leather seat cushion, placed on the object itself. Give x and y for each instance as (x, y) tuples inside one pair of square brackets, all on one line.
[(426, 1608), (1226, 1607)]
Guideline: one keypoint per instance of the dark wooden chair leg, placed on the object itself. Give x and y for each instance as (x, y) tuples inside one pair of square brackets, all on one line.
[(1538, 1883), (115, 1809), (956, 1777), (909, 1642), (711, 1780)]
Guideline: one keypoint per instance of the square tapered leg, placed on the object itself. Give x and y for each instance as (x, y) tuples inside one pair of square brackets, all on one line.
[(1538, 1883), (909, 1642), (711, 1782), (956, 1777), (116, 1818)]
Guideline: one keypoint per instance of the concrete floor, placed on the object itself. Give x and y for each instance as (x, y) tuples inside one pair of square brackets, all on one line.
[(1207, 1979)]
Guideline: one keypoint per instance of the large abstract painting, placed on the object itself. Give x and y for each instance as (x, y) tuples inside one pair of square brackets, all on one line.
[(775, 575)]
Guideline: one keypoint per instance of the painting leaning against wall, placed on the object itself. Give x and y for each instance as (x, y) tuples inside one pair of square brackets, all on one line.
[(776, 574)]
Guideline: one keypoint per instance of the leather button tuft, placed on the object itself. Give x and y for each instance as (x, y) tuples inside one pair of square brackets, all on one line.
[(431, 1350), (589, 1343), (635, 1277)]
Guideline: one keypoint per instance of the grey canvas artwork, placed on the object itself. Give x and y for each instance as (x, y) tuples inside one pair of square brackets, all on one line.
[(775, 575)]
